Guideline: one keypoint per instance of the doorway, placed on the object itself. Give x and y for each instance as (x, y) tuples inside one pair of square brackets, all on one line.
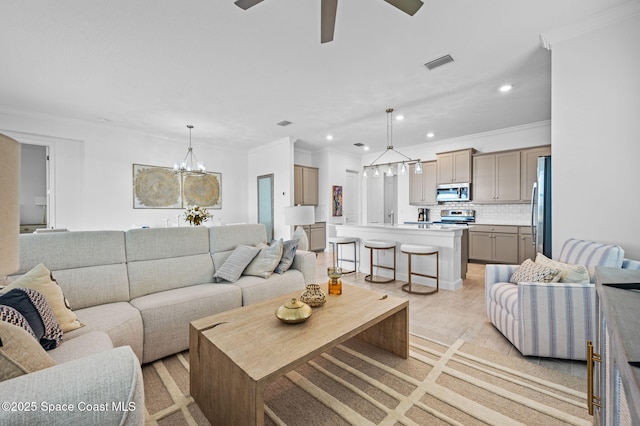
[(34, 187), (265, 203), (350, 197), (391, 199)]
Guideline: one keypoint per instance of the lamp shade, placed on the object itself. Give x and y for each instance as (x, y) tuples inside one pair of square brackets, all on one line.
[(9, 205), (299, 215)]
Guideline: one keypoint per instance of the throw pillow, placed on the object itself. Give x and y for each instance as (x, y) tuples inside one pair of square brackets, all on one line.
[(288, 254), (20, 353), (34, 308), (41, 279), (530, 271), (266, 261), (568, 273), (232, 268)]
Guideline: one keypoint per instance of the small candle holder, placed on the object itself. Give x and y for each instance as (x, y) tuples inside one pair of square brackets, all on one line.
[(335, 283)]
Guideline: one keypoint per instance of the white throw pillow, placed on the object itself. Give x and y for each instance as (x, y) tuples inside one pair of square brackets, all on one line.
[(530, 271), (568, 273), (266, 261)]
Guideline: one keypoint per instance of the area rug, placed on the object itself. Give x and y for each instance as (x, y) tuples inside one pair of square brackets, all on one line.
[(359, 384)]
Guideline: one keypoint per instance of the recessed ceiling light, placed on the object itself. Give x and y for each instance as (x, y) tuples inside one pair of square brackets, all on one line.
[(430, 134), (505, 88), (329, 137), (399, 117), (366, 148)]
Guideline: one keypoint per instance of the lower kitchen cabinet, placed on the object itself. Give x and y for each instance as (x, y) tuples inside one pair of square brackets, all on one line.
[(317, 235), (494, 243), (526, 249)]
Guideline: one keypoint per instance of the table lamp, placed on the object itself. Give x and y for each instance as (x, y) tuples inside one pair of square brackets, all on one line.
[(299, 216), (10, 205)]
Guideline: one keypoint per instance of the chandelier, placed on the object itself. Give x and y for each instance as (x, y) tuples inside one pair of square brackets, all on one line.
[(190, 165), (375, 165)]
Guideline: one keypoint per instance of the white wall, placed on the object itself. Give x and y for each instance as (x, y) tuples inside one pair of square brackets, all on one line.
[(596, 136), (273, 158), (92, 176)]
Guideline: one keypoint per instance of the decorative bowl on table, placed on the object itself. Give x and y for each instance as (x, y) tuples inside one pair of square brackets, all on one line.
[(294, 311), (313, 296)]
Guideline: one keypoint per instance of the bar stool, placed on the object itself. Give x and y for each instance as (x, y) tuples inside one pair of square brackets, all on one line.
[(380, 245), (336, 242), (419, 250)]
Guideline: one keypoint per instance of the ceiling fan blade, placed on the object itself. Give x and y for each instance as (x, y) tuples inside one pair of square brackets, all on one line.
[(327, 20), (246, 4), (407, 6)]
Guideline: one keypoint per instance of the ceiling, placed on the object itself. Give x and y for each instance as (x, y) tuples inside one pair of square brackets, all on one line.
[(155, 66)]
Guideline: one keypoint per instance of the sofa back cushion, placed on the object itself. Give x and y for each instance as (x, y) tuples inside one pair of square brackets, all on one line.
[(89, 266), (160, 259), (224, 239), (591, 254)]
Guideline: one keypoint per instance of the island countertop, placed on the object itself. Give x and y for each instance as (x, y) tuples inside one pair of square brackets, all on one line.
[(450, 239)]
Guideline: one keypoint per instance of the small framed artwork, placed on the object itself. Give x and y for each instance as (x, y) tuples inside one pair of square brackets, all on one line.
[(336, 205)]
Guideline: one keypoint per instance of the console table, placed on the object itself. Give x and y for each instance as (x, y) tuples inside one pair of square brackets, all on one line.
[(613, 365)]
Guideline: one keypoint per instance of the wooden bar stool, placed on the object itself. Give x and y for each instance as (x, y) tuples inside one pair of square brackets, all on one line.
[(380, 245), (336, 242), (419, 250)]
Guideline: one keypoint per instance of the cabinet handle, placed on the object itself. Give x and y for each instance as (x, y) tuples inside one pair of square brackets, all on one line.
[(592, 400)]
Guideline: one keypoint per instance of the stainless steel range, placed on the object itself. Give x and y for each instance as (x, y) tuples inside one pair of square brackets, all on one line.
[(457, 217)]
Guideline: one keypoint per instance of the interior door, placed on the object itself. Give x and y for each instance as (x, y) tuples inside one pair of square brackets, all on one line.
[(265, 203), (391, 199)]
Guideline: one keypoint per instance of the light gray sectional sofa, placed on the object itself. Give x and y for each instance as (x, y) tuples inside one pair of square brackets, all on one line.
[(136, 289)]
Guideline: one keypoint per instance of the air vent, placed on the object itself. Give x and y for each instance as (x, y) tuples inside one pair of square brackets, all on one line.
[(358, 144), (284, 123), (438, 62)]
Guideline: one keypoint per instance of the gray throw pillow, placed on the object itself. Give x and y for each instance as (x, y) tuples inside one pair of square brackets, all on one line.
[(232, 268), (266, 261), (288, 253)]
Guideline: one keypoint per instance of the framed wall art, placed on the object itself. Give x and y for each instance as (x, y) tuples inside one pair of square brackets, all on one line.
[(160, 188), (336, 205)]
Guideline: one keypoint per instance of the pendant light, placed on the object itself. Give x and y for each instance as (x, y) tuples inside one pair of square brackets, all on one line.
[(190, 164)]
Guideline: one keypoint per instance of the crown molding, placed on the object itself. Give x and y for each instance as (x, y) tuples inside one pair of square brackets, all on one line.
[(600, 20)]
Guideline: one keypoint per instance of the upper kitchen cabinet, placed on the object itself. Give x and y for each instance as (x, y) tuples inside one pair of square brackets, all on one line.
[(454, 166), (529, 169), (422, 187), (496, 177), (305, 184)]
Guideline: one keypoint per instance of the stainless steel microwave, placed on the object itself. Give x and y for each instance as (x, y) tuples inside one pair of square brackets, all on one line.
[(453, 192)]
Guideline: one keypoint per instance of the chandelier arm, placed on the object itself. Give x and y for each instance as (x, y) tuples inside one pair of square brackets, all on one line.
[(408, 158), (379, 157)]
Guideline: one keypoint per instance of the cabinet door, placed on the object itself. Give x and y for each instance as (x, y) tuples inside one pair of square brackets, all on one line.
[(505, 248), (462, 166), (507, 176), (297, 185), (529, 169), (429, 182), (526, 250), (415, 186), (445, 167), (484, 178), (310, 186), (480, 246)]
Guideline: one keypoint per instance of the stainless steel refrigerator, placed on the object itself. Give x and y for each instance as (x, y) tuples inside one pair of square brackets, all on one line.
[(541, 208)]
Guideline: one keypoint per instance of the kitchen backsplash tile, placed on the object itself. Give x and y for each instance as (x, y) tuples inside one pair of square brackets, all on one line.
[(496, 214)]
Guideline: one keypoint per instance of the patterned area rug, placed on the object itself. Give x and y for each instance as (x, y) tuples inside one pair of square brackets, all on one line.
[(359, 384)]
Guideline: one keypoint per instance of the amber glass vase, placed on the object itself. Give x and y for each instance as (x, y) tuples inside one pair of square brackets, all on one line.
[(335, 283)]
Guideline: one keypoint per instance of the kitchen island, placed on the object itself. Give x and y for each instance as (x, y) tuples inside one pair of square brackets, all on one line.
[(449, 239)]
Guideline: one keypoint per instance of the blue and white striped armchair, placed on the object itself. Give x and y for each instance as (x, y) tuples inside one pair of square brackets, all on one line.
[(549, 319)]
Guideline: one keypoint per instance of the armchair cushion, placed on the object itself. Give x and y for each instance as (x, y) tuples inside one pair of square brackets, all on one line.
[(533, 272), (568, 273)]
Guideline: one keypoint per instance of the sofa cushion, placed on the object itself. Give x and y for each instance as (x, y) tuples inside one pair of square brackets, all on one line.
[(81, 346), (266, 261), (167, 314), (236, 263), (568, 273), (35, 309), (288, 254), (256, 289), (121, 321), (20, 353), (530, 271), (41, 280)]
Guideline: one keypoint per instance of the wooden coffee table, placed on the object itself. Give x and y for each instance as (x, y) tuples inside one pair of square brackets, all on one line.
[(234, 354)]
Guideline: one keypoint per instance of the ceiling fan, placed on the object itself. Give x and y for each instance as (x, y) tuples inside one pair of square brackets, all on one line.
[(328, 13)]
